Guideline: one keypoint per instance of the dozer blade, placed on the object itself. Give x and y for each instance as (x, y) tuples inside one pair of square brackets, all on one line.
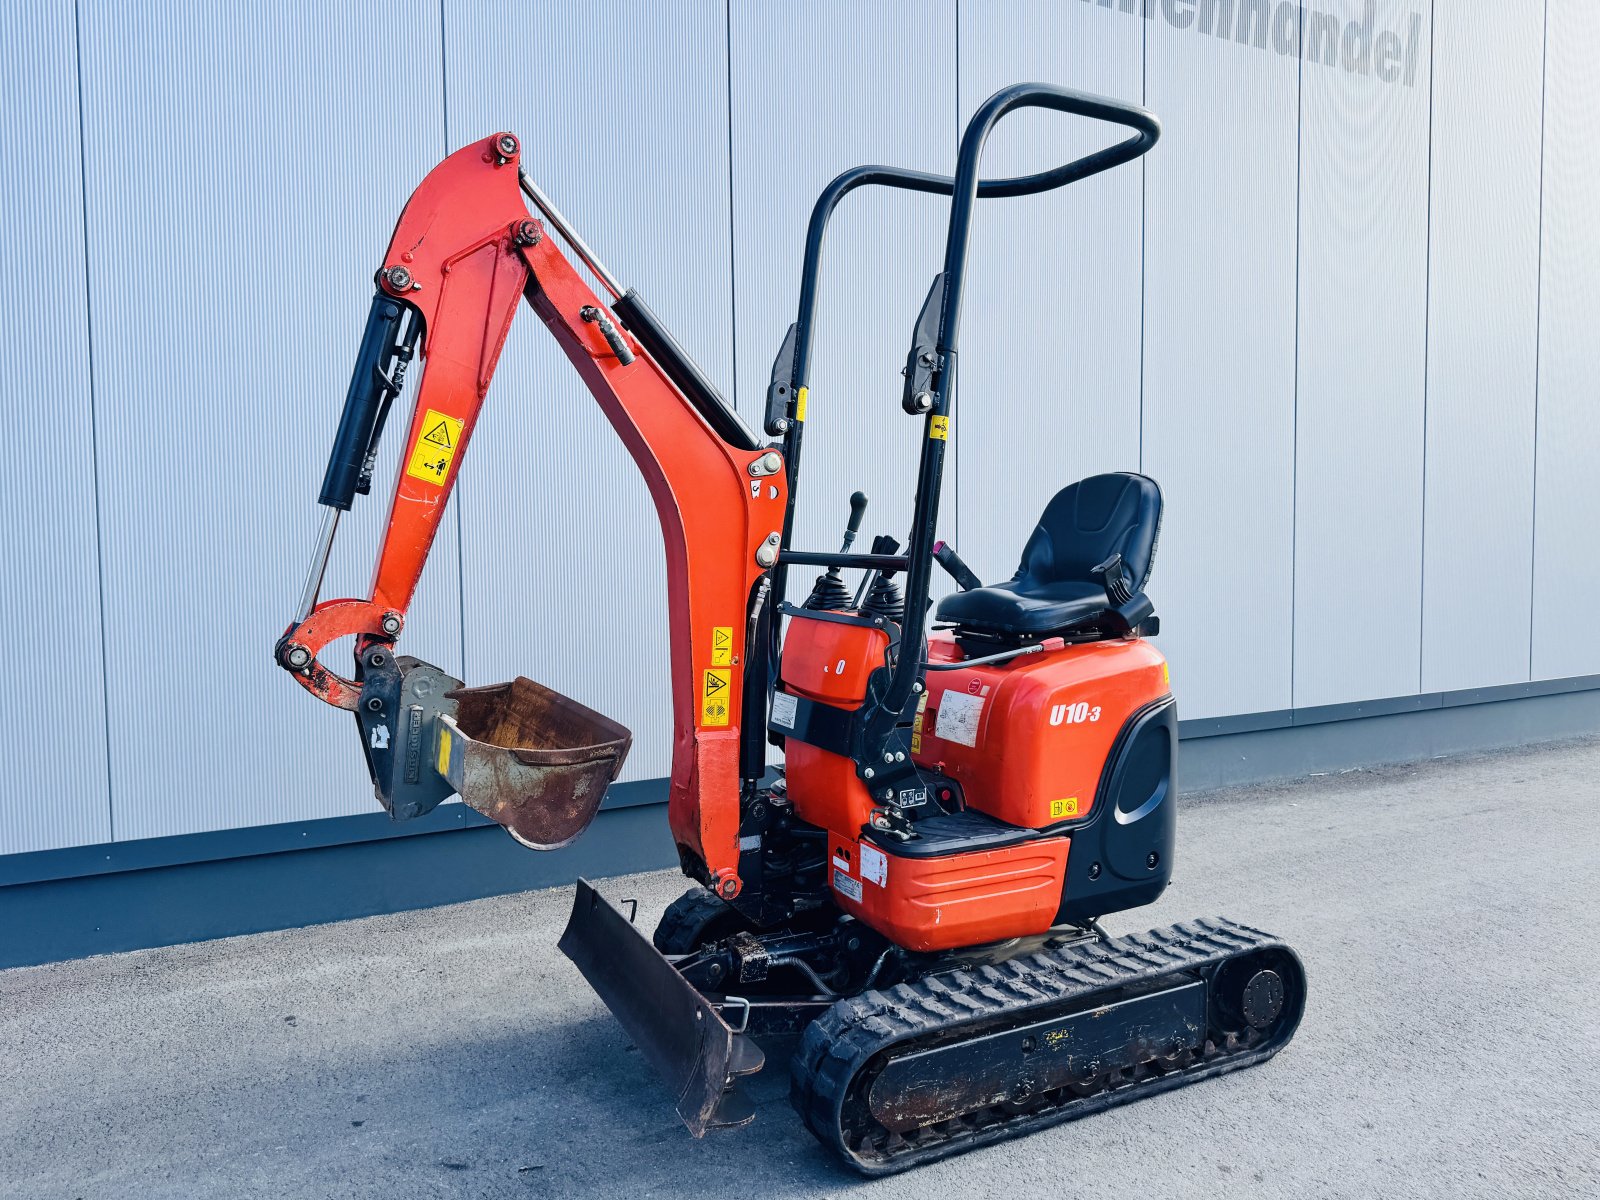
[(677, 1029)]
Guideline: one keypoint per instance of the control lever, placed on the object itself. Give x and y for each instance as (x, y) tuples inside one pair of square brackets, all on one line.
[(882, 544), (945, 555), (829, 592), (858, 509)]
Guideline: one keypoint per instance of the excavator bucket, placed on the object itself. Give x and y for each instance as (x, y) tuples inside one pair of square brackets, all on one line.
[(680, 1033), (525, 756), (530, 758)]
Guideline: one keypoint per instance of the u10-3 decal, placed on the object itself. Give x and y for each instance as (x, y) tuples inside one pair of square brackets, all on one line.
[(1080, 713)]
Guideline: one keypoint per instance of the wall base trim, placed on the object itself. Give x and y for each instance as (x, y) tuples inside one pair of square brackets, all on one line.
[(349, 867)]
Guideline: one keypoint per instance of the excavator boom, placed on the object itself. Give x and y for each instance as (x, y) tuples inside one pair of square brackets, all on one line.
[(463, 254)]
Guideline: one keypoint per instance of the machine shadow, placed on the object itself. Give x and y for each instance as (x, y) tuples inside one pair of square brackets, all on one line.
[(563, 1110)]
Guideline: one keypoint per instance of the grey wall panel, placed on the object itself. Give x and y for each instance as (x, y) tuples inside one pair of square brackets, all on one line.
[(1051, 320), (1483, 320), (1218, 424), (1566, 576), (1362, 364), (50, 598), (564, 569), (242, 180), (817, 89)]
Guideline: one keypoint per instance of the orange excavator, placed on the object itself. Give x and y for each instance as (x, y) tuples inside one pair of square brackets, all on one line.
[(915, 888)]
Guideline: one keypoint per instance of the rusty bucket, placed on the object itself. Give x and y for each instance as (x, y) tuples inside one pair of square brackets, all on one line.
[(530, 758)]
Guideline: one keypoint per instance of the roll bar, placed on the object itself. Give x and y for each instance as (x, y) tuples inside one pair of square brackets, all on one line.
[(880, 713)]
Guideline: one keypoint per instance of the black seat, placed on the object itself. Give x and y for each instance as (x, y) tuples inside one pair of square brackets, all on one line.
[(1061, 586)]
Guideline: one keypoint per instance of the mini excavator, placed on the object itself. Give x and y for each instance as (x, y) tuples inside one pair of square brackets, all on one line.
[(915, 890)]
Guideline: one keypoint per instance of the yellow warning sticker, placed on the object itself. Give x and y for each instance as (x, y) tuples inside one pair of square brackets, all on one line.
[(715, 689), (1166, 675), (1060, 810), (436, 447), (444, 753), (800, 404), (916, 726), (939, 428), (721, 645)]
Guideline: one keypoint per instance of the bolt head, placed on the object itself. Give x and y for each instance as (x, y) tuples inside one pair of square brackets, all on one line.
[(374, 705), (525, 233), (297, 657), (869, 773), (766, 555), (899, 756), (398, 279), (888, 756), (391, 623), (923, 401), (506, 144), (729, 888)]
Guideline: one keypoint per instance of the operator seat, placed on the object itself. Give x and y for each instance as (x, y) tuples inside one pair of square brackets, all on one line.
[(1083, 571)]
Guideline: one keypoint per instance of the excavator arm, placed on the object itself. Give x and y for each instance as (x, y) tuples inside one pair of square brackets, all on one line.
[(464, 251)]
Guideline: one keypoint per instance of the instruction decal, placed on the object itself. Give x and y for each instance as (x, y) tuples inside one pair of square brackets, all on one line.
[(784, 709), (721, 645), (958, 718), (435, 449), (874, 865), (715, 688), (800, 404), (846, 886), (939, 428), (916, 726), (1061, 810)]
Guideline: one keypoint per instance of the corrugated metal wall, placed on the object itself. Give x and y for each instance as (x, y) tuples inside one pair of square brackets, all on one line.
[(1347, 323)]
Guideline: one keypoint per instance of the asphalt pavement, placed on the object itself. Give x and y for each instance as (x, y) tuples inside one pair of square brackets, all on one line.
[(1447, 914)]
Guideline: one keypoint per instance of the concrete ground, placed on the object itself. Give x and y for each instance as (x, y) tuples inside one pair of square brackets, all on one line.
[(1447, 914)]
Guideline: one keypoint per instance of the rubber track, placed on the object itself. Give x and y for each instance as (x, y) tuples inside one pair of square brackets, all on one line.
[(847, 1037), (683, 925)]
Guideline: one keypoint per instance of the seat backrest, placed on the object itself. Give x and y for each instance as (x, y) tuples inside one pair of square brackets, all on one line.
[(1089, 521)]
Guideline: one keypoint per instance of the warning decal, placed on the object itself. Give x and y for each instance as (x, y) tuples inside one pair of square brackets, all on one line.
[(939, 428), (1060, 810), (436, 447), (721, 645), (715, 688)]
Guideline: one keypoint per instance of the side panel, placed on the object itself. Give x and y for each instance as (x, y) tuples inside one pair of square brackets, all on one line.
[(1219, 363), (1050, 337), (50, 599), (1566, 575), (816, 89), (239, 199), (1483, 329), (1362, 354), (563, 569), (955, 900)]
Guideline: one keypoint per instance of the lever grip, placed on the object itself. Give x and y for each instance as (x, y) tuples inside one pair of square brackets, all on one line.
[(945, 555), (858, 509)]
